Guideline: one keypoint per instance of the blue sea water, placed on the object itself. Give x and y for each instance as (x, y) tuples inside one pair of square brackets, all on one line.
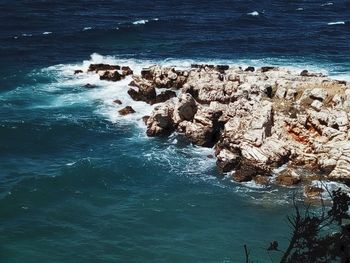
[(78, 183)]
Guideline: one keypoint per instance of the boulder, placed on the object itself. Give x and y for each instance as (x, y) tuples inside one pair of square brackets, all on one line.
[(164, 96), (185, 108), (160, 121), (78, 71), (119, 102), (127, 110), (144, 93), (111, 76), (102, 67), (126, 71), (288, 178)]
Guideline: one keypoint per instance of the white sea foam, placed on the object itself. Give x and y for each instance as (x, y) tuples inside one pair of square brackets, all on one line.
[(254, 13), (300, 9), (47, 33), (106, 92), (336, 23), (327, 4), (26, 35), (140, 22), (87, 28), (144, 21)]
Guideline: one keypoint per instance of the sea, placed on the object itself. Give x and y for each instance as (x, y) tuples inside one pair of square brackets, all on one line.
[(80, 183)]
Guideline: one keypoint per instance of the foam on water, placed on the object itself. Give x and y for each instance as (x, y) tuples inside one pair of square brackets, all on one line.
[(327, 4), (254, 13), (140, 22), (336, 23), (143, 21), (47, 33)]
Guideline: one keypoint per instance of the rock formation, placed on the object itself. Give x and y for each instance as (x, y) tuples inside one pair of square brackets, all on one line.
[(257, 119)]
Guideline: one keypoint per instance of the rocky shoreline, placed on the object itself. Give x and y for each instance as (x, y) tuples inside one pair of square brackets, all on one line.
[(259, 120)]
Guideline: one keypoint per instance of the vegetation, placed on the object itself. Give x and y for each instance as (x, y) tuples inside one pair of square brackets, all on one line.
[(317, 237)]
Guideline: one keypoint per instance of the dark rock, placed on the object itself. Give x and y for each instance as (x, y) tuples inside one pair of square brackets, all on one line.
[(126, 71), (242, 176), (118, 102), (304, 73), (78, 71), (265, 69), (89, 86), (98, 67), (251, 69), (146, 73), (222, 68), (210, 156), (145, 93), (127, 110), (165, 95), (145, 119), (111, 76), (287, 178), (227, 163), (262, 180), (269, 91)]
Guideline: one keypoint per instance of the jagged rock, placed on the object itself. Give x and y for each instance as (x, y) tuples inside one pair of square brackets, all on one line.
[(78, 71), (205, 128), (250, 69), (145, 119), (164, 96), (258, 120), (145, 93), (227, 161), (288, 178), (266, 69), (262, 180), (127, 110), (118, 101), (185, 108), (126, 71), (103, 67), (111, 76), (160, 122)]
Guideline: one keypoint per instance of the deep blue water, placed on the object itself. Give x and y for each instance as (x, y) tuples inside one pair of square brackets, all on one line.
[(78, 183)]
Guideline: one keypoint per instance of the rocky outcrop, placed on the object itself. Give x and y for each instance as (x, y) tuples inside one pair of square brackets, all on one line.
[(109, 72), (257, 119)]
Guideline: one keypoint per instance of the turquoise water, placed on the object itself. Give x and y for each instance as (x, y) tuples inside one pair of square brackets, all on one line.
[(79, 183)]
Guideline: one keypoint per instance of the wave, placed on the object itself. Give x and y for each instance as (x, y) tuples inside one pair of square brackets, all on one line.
[(254, 13), (87, 28), (327, 4), (140, 22), (336, 23), (300, 9), (47, 33), (143, 21)]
